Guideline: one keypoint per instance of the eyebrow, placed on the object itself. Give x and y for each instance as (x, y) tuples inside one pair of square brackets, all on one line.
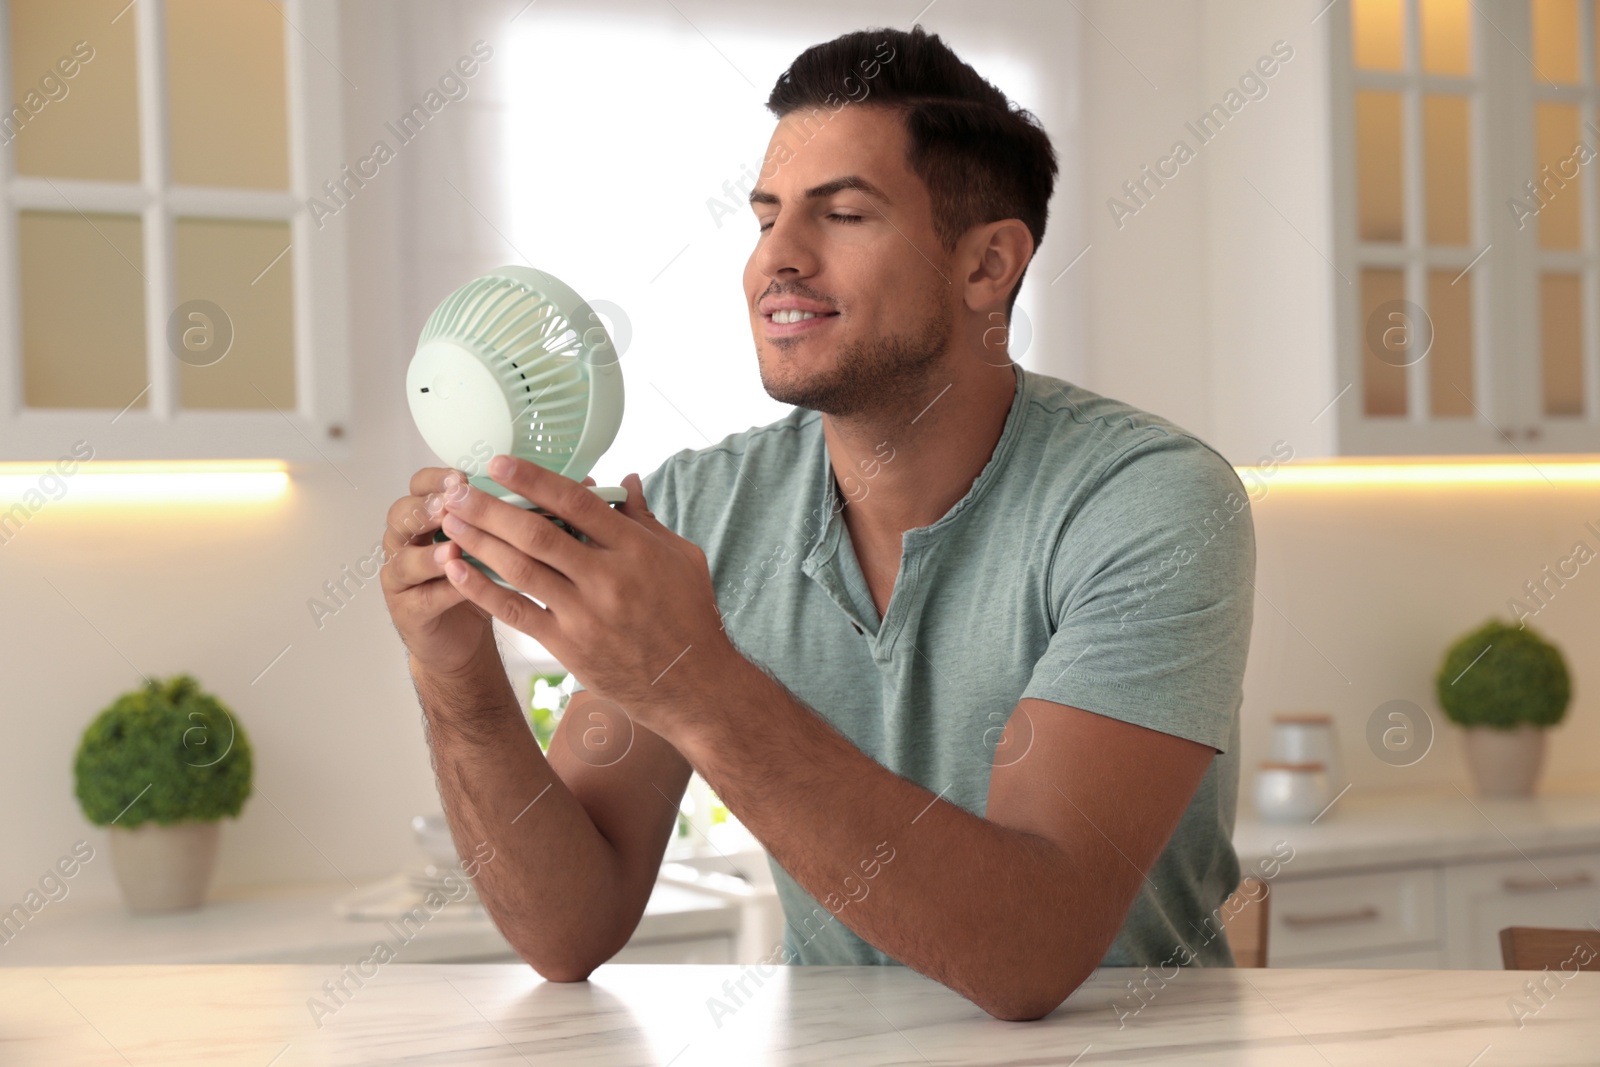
[(849, 181)]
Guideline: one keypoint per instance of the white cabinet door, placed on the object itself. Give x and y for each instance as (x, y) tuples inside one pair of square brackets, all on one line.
[(1542, 890), (1350, 915), (1428, 959)]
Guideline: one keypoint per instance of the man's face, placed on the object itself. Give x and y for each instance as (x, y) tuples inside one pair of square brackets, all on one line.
[(866, 259)]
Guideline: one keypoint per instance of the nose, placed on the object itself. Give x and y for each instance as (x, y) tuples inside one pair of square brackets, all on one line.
[(787, 249)]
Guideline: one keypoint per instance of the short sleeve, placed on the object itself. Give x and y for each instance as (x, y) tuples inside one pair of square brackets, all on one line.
[(1151, 594), (658, 497)]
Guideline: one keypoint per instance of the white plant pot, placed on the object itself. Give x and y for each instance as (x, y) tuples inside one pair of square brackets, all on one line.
[(1505, 763), (164, 868)]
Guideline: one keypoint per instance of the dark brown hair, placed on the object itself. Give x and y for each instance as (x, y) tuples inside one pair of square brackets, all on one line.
[(981, 158)]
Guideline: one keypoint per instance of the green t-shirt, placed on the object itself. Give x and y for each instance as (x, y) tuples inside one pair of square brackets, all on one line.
[(1102, 559)]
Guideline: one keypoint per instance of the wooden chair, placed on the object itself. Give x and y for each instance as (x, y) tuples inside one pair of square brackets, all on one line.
[(1533, 948), (1244, 922)]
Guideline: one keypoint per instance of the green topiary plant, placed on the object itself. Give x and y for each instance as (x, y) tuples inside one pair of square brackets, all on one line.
[(166, 753), (547, 702), (1503, 676)]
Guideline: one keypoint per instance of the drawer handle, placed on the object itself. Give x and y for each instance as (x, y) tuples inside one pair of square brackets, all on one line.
[(1333, 918), (1536, 885)]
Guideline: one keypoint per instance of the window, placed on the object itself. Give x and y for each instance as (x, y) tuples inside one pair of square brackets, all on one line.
[(1467, 232), (165, 292)]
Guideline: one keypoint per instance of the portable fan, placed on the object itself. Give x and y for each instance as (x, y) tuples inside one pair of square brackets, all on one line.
[(517, 361)]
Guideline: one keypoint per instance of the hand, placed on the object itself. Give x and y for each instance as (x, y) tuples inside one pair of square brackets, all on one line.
[(442, 630), (631, 612)]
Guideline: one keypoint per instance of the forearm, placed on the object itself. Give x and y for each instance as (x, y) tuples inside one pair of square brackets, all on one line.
[(979, 907), (552, 882)]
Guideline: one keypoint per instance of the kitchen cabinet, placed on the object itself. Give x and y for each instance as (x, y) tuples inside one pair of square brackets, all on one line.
[(1353, 914), (1400, 880), (1481, 899)]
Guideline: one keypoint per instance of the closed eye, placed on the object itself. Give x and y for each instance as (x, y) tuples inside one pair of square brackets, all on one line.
[(846, 219)]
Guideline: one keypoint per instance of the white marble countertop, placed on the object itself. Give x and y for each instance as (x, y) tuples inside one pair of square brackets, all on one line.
[(296, 923), (641, 1014), (1370, 828)]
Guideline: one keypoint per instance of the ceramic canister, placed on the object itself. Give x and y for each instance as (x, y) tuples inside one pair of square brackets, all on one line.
[(1308, 737), (1291, 792)]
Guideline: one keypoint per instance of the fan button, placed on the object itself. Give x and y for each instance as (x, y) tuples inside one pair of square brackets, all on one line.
[(440, 386)]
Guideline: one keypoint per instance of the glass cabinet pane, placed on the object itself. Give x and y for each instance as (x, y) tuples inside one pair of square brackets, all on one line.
[(82, 297), (1378, 158), (74, 91), (1555, 138), (226, 94), (1377, 31), (1446, 37), (1561, 333), (233, 331), (1555, 41), (1446, 164), (1385, 342), (1450, 358)]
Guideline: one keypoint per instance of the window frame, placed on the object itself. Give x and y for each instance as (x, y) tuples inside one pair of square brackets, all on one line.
[(1506, 343), (317, 427)]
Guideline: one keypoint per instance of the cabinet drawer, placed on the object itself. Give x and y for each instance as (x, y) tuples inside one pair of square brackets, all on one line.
[(1541, 889), (1342, 915)]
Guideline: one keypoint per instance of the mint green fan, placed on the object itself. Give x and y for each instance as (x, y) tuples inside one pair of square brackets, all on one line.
[(517, 361)]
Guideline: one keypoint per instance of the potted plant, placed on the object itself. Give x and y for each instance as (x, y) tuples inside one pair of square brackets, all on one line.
[(159, 768), (548, 702), (1505, 685)]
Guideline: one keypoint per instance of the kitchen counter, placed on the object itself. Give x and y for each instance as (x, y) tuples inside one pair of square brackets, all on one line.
[(1369, 828), (631, 1014)]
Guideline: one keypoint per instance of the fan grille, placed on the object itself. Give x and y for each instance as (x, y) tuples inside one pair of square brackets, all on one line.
[(533, 348)]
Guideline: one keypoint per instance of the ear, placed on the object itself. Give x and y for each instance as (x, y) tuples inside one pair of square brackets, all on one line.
[(996, 254)]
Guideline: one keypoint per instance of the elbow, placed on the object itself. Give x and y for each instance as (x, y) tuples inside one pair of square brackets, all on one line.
[(564, 974), (1023, 1007), (559, 967), (1041, 990), (560, 970)]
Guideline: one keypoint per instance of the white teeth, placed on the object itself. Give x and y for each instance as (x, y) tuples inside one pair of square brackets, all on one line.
[(792, 315)]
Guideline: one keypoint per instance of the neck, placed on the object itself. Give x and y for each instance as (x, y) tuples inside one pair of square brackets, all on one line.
[(905, 468)]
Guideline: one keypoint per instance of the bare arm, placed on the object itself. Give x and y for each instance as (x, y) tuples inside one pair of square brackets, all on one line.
[(569, 846), (1013, 910)]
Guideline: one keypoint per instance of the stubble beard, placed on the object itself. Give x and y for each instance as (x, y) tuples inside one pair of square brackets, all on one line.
[(882, 373)]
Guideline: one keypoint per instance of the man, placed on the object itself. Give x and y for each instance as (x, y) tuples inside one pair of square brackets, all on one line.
[(959, 643)]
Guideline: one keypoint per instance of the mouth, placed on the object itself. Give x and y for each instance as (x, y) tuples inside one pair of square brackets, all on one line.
[(801, 322)]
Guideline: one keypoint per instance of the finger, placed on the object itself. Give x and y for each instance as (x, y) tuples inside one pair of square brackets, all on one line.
[(531, 533), (426, 602), (560, 496), (636, 507), (411, 520), (430, 480), (513, 609), (412, 565), (588, 481), (526, 573)]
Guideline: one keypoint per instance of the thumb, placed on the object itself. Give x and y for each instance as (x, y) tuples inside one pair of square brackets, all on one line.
[(636, 507)]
